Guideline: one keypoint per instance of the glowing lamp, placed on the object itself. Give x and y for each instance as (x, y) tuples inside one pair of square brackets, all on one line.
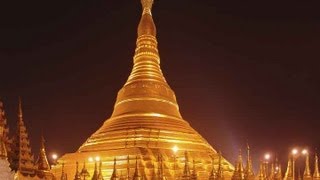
[(97, 158), (54, 156), (305, 152), (175, 149), (267, 156), (294, 151)]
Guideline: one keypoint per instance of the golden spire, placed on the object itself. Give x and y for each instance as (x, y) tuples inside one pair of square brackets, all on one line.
[(137, 175), (249, 174), (95, 172), (147, 6), (157, 96), (272, 171), (114, 173), (289, 172), (278, 174), (63, 175), (42, 161), (77, 174), (23, 159), (84, 172), (194, 175), (186, 170), (261, 174), (20, 114), (238, 171), (100, 176), (307, 171), (316, 173)]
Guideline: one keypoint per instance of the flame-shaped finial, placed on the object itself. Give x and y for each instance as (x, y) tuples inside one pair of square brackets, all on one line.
[(147, 6), (20, 114)]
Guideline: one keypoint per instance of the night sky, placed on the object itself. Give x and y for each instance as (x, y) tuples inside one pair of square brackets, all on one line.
[(241, 70)]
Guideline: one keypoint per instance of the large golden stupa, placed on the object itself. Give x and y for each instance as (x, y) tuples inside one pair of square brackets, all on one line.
[(146, 134)]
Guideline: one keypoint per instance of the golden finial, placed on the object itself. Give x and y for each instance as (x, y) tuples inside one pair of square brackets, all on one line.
[(147, 6), (316, 173), (20, 109), (114, 173)]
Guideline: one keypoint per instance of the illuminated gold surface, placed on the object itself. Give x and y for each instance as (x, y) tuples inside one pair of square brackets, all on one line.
[(145, 123)]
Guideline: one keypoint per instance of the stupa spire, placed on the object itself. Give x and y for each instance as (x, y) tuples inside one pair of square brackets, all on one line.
[(137, 175), (194, 175), (272, 171), (100, 176), (77, 175), (23, 160), (42, 161), (186, 170), (238, 171), (95, 172), (307, 172), (84, 172), (146, 74), (261, 174), (63, 175), (278, 174), (289, 171), (316, 173), (147, 6), (249, 174), (114, 173)]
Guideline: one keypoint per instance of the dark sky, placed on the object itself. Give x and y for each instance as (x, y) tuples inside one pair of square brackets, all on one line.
[(240, 69)]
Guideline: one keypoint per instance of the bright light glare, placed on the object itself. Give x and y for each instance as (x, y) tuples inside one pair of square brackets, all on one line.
[(97, 158), (294, 151), (90, 159), (304, 152), (54, 156), (175, 149), (267, 156)]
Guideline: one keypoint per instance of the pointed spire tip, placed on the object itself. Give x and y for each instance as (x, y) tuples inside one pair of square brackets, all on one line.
[(147, 6)]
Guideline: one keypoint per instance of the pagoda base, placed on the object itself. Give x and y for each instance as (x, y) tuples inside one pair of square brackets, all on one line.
[(149, 162)]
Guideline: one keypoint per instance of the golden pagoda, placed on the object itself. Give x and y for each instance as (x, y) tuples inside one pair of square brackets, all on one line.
[(22, 159), (146, 124)]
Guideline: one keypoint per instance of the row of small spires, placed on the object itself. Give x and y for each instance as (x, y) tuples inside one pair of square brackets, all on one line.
[(275, 171), (240, 173), (97, 174)]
